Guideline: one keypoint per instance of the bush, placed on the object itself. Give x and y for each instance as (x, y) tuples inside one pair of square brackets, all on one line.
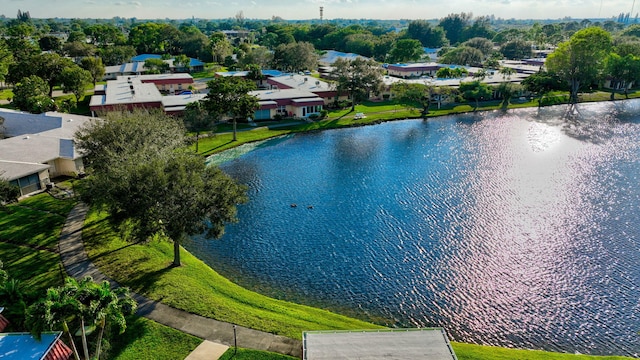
[(8, 192)]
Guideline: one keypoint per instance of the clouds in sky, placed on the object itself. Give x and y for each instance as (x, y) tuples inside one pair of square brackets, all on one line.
[(309, 9)]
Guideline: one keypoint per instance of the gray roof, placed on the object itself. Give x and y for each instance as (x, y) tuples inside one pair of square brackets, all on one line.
[(37, 139), (263, 95), (11, 170), (126, 68), (120, 92), (396, 344), (181, 100), (302, 82)]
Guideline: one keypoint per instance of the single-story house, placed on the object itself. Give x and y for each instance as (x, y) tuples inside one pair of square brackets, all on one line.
[(20, 346), (286, 102), (277, 80), (330, 56), (125, 93), (413, 69), (308, 83), (194, 64), (39, 148), (128, 69), (144, 91)]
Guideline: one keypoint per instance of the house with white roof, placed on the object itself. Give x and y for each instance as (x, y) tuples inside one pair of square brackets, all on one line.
[(286, 103), (39, 148), (144, 91)]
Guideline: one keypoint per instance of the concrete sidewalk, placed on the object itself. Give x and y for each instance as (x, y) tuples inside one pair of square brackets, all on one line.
[(78, 265)]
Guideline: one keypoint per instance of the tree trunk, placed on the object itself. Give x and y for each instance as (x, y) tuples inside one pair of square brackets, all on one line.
[(176, 253), (234, 129), (626, 90), (197, 140), (573, 96), (84, 339), (65, 327), (99, 345)]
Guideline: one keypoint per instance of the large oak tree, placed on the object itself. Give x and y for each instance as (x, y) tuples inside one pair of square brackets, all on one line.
[(580, 61), (141, 172), (358, 77)]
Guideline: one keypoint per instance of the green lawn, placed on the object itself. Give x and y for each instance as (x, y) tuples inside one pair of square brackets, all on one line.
[(247, 354), (29, 232), (34, 222), (6, 94), (478, 352), (196, 288), (145, 339)]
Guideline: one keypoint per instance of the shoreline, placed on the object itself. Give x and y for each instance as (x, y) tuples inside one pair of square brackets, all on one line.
[(557, 110), (346, 119)]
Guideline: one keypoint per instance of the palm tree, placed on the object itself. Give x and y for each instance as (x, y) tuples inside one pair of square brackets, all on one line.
[(506, 72), (86, 303), (51, 312)]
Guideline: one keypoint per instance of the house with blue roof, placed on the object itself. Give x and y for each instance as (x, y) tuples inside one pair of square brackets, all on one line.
[(20, 346)]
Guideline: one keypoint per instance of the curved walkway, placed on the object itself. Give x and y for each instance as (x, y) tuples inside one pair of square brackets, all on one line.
[(77, 264)]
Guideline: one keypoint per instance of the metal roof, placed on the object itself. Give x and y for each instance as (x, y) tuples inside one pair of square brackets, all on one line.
[(20, 346), (392, 344)]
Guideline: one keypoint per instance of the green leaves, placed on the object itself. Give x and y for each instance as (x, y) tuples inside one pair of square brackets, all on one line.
[(144, 176)]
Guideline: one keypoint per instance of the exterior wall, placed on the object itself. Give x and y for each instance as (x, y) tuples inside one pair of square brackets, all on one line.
[(404, 72), (172, 88), (65, 167), (615, 84), (130, 107), (305, 111)]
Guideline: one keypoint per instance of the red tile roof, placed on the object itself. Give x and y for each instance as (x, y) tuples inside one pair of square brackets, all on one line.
[(58, 351)]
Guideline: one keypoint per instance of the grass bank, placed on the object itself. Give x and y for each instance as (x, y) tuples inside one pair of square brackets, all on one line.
[(37, 264), (29, 232), (197, 288)]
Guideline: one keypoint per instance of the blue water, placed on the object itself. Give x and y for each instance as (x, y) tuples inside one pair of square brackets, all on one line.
[(516, 228)]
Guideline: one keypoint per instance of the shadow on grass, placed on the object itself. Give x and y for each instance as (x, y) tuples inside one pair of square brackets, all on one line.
[(148, 282)]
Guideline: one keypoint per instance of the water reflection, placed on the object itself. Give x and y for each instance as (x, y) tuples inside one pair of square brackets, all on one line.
[(513, 228)]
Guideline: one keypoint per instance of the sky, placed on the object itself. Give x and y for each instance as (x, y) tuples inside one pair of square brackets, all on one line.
[(309, 9)]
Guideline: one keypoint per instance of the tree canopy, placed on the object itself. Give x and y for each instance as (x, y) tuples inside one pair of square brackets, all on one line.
[(358, 78), (228, 96), (143, 175), (580, 61)]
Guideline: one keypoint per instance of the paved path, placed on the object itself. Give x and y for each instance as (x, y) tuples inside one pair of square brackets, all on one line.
[(78, 265)]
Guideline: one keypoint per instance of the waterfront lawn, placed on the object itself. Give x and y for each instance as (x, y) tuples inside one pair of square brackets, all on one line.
[(247, 354), (146, 339), (224, 141), (479, 352), (194, 287)]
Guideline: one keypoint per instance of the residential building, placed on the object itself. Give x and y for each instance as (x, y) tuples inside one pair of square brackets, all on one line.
[(39, 148), (20, 346), (286, 103), (144, 91), (136, 67)]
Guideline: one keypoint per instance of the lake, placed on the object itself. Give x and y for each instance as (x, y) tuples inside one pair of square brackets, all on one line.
[(517, 229)]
